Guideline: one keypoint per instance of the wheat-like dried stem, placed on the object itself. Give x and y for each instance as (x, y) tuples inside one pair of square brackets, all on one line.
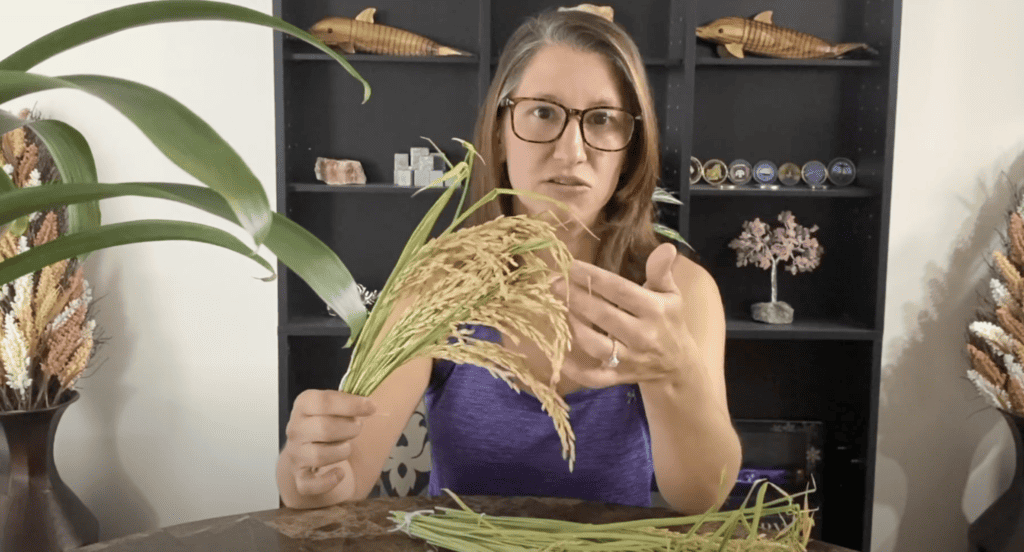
[(48, 291), (985, 366), (1012, 325), (1016, 393), (76, 365), (13, 144), (27, 164), (1010, 275), (48, 230), (63, 341), (1016, 240), (8, 245)]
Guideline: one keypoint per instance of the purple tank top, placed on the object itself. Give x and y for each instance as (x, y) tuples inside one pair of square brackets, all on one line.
[(486, 439)]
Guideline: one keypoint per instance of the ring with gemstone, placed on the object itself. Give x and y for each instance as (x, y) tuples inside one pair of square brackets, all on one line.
[(613, 361)]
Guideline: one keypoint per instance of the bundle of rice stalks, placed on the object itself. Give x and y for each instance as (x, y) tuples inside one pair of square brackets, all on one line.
[(995, 341), (493, 274), (464, 530)]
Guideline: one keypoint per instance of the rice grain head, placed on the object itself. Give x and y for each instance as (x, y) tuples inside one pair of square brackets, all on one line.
[(492, 274)]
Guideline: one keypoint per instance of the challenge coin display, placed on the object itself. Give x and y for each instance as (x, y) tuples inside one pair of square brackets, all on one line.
[(696, 170), (739, 172), (715, 173), (814, 174), (789, 174), (764, 174), (841, 171)]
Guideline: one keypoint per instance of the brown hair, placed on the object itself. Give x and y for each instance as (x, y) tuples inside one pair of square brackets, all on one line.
[(627, 235)]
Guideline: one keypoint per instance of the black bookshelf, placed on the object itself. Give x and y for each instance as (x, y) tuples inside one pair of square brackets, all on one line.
[(825, 367)]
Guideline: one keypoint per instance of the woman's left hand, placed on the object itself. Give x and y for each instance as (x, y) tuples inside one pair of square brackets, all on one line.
[(644, 328)]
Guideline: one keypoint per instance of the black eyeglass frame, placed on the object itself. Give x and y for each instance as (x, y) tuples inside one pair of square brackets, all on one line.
[(511, 102)]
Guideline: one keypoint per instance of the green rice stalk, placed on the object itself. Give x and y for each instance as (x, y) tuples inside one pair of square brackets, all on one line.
[(463, 530)]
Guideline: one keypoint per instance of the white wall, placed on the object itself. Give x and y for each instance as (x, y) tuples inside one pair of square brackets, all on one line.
[(179, 422), (959, 141)]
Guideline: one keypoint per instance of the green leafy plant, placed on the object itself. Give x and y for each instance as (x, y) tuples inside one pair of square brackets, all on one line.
[(231, 190)]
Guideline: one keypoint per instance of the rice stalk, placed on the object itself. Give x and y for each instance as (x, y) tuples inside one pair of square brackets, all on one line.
[(463, 530), (494, 274)]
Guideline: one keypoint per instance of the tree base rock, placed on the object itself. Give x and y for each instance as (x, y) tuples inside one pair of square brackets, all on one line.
[(777, 312)]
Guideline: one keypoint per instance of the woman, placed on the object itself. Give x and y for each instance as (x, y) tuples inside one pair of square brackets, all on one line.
[(569, 114)]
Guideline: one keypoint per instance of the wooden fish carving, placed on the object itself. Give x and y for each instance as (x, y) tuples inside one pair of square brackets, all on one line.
[(736, 35), (606, 12), (364, 35)]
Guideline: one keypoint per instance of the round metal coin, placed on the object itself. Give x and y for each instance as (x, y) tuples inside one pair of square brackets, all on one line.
[(765, 172), (696, 170), (841, 171), (814, 174), (789, 174), (715, 172), (739, 172)]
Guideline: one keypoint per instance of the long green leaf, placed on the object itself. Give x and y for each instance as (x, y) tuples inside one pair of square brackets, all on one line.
[(671, 234), (148, 13), (320, 267), (180, 134), (122, 233), (294, 246), (73, 158)]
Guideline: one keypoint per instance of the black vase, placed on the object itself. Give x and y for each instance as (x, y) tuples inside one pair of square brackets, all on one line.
[(1000, 528), (38, 512)]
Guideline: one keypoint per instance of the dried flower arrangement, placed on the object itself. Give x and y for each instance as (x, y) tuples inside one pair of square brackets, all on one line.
[(766, 247), (995, 340), (46, 334)]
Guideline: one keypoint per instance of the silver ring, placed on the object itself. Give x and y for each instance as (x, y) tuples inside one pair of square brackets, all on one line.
[(613, 361)]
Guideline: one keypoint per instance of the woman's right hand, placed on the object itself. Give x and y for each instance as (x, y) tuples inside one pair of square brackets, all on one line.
[(320, 432)]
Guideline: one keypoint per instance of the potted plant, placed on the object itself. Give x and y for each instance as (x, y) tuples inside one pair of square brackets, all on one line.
[(48, 516)]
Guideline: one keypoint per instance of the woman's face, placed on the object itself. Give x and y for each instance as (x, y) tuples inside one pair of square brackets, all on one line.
[(567, 169)]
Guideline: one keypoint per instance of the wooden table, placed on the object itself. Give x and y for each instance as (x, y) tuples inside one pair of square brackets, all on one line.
[(362, 526)]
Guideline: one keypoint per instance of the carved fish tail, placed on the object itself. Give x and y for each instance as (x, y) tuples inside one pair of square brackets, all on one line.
[(847, 47)]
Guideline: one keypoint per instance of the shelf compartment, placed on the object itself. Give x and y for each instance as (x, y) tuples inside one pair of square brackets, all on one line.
[(325, 119), (842, 288)]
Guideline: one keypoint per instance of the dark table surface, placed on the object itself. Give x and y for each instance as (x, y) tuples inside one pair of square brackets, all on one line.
[(361, 526)]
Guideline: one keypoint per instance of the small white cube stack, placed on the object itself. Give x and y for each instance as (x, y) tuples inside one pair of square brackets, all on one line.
[(419, 168)]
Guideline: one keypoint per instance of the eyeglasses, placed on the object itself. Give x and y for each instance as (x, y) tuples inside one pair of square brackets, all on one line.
[(540, 121)]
